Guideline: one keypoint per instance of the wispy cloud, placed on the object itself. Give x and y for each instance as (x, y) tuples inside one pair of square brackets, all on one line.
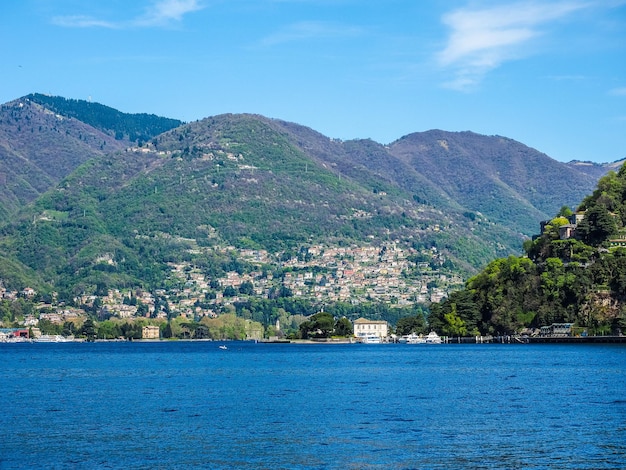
[(82, 21), (482, 39), (310, 30), (621, 91), (159, 13), (166, 11)]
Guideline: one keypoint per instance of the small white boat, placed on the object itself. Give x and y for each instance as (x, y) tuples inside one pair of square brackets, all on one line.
[(414, 338), (432, 338), (369, 339), (223, 346), (52, 339)]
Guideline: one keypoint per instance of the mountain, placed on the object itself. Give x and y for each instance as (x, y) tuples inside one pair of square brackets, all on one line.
[(500, 178), (117, 217), (133, 127), (43, 139), (506, 181), (229, 180), (595, 170)]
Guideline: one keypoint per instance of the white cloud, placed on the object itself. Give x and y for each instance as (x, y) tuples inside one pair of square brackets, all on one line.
[(165, 11), (482, 39), (618, 91), (159, 13), (310, 30), (81, 21)]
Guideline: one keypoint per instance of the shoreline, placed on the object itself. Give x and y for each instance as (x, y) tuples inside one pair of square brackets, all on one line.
[(459, 340)]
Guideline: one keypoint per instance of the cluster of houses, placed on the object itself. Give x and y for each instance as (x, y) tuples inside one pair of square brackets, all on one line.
[(355, 274), (318, 273), (323, 274), (27, 293)]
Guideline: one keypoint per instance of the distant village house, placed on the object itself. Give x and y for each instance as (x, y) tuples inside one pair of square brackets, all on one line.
[(150, 332)]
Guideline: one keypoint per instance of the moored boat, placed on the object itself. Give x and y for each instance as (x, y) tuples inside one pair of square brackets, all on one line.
[(52, 339), (414, 338), (369, 339), (432, 338)]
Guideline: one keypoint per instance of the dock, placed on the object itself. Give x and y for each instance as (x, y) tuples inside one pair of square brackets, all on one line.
[(516, 339), (576, 339)]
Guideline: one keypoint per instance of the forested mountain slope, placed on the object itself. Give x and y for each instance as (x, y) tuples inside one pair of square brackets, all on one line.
[(133, 127), (503, 179), (39, 147), (574, 272), (45, 138), (250, 181), (233, 179)]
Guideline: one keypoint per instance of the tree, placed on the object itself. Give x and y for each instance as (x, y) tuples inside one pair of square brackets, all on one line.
[(142, 309), (101, 290), (89, 330), (48, 328), (69, 328), (226, 326), (320, 325), (565, 212), (230, 291), (201, 332), (109, 330), (412, 324), (343, 327), (597, 226), (246, 288), (454, 325)]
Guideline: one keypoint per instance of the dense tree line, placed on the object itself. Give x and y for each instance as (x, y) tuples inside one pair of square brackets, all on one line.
[(578, 279), (134, 127), (291, 312)]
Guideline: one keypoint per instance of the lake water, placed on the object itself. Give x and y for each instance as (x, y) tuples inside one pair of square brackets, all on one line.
[(191, 404)]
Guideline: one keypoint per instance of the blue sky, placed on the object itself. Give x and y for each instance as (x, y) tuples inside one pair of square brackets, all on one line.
[(550, 74)]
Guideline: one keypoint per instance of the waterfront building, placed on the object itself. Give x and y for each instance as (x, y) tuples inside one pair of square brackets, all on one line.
[(150, 332), (364, 327), (557, 329)]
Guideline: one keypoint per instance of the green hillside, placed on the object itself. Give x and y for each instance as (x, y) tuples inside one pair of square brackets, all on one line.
[(495, 176), (111, 213), (574, 272), (45, 138), (229, 180)]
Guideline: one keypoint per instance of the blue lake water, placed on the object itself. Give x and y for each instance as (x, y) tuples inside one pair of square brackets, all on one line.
[(191, 404)]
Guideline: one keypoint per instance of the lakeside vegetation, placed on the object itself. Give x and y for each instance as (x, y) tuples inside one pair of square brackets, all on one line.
[(574, 272)]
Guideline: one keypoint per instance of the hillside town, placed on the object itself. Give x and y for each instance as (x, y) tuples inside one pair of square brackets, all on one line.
[(322, 274)]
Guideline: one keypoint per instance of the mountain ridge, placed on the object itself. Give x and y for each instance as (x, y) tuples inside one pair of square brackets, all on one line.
[(257, 182), (39, 146)]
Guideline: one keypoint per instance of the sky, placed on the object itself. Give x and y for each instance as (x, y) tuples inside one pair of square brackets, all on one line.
[(549, 74)]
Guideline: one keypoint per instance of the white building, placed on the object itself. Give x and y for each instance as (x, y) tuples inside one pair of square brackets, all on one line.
[(364, 327), (150, 332)]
